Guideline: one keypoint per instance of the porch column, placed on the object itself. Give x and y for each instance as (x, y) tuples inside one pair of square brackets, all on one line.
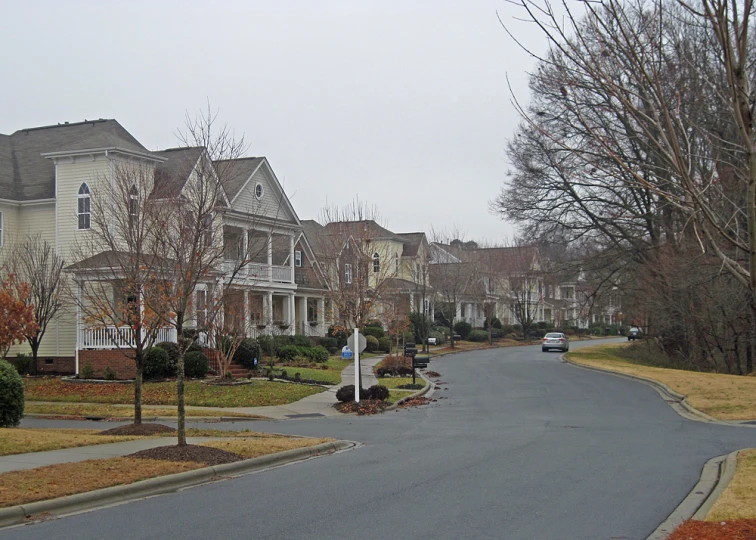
[(458, 313), (303, 314), (268, 307), (78, 324), (321, 316), (270, 262), (245, 252), (291, 257), (245, 312), (292, 315), (412, 302)]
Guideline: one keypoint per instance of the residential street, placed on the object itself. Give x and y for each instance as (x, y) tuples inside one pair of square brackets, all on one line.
[(517, 445)]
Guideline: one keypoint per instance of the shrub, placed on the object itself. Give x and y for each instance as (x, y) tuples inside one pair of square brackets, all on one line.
[(11, 395), (345, 394), (384, 344), (288, 353), (328, 343), (536, 333), (409, 337), (248, 350), (173, 354), (378, 391), (195, 365), (333, 350), (110, 374), (374, 331), (372, 344), (317, 354), (463, 329), (156, 364), (495, 323), (497, 333), (301, 341), (283, 340), (24, 364), (440, 337), (86, 371), (478, 335), (340, 336)]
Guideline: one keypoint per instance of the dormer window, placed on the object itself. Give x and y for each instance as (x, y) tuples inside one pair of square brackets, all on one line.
[(84, 208), (376, 262), (348, 273), (298, 259)]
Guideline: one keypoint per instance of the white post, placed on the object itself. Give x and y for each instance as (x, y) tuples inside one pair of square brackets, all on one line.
[(356, 366), (270, 257), (78, 324)]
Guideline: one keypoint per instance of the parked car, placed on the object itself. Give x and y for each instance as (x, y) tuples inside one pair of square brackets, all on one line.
[(432, 341), (634, 333), (555, 340)]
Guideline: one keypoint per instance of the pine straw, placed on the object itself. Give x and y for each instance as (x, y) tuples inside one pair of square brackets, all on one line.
[(364, 407), (740, 529), (22, 487), (139, 429), (415, 402)]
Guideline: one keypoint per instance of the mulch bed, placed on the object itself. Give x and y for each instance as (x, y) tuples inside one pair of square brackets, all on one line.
[(364, 407), (414, 402), (737, 529), (189, 452), (141, 429)]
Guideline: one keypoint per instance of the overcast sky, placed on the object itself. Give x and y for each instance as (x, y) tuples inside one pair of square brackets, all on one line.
[(404, 104)]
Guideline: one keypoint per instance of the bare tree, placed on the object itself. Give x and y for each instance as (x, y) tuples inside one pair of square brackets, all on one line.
[(36, 263)]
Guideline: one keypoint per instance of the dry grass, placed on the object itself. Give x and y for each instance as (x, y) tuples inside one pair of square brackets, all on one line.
[(53, 481), (21, 441), (21, 487), (739, 499), (120, 411), (249, 447), (726, 397)]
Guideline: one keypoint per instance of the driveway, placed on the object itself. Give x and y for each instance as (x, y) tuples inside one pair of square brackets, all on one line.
[(516, 445)]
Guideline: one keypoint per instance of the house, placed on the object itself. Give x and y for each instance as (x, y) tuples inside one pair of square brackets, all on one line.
[(51, 177)]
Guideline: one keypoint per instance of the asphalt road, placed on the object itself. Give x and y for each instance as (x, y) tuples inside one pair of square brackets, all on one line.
[(518, 445)]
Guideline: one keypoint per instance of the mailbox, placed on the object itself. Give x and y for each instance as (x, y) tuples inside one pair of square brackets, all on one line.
[(420, 361), (410, 349)]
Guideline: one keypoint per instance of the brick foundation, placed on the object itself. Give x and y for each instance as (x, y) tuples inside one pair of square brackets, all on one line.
[(60, 365), (119, 360)]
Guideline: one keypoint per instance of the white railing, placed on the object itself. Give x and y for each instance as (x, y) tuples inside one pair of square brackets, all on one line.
[(282, 274), (120, 337), (258, 272)]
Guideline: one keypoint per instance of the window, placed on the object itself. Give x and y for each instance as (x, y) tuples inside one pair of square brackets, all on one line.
[(396, 263), (201, 307), (84, 207), (298, 259), (348, 273), (259, 191), (133, 205), (376, 262), (207, 228)]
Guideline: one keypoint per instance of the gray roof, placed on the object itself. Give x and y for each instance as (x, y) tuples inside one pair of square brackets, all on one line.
[(26, 175), (235, 172), (172, 174), (313, 232), (413, 241)]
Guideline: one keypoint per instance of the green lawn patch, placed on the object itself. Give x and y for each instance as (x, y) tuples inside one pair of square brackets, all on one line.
[(256, 394)]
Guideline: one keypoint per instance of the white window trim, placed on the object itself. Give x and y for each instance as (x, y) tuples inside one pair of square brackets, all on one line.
[(88, 197), (376, 262), (348, 273), (298, 259), (262, 191)]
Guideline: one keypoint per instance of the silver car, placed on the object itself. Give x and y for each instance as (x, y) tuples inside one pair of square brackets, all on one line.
[(555, 340)]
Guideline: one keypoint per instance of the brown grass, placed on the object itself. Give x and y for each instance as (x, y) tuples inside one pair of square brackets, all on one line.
[(21, 441), (726, 397), (739, 499), (120, 411), (256, 447), (21, 487), (53, 481)]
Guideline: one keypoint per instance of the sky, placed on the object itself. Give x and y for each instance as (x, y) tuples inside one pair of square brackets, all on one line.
[(405, 105)]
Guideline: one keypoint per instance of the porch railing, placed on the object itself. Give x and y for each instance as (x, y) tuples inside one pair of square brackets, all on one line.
[(257, 272), (117, 337)]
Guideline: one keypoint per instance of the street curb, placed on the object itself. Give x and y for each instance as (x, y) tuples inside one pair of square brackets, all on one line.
[(427, 388), (663, 389), (208, 419), (15, 515), (715, 477)]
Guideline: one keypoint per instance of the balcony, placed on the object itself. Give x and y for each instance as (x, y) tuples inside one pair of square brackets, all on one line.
[(258, 272), (117, 337)]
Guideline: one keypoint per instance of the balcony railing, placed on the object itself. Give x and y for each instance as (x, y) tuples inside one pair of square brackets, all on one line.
[(257, 272), (117, 337)]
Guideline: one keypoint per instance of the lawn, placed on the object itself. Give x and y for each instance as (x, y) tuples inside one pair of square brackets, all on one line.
[(25, 486), (396, 382), (255, 394), (21, 441), (726, 397), (739, 499), (120, 411), (332, 375)]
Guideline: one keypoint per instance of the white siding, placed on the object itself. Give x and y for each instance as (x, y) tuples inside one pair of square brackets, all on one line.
[(270, 205)]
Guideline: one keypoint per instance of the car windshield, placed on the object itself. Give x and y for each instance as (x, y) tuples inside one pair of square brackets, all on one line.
[(553, 335)]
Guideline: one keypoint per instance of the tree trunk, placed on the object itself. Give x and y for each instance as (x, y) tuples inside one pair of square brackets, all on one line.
[(138, 394), (181, 411)]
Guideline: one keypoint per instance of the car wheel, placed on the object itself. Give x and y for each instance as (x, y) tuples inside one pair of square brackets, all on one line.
[(567, 348), (544, 349)]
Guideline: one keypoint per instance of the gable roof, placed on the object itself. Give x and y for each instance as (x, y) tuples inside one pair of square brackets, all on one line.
[(313, 232), (237, 172), (172, 174), (372, 230), (26, 173), (412, 244)]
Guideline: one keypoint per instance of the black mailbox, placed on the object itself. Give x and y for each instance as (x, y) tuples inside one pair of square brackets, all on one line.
[(420, 361), (410, 349)]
